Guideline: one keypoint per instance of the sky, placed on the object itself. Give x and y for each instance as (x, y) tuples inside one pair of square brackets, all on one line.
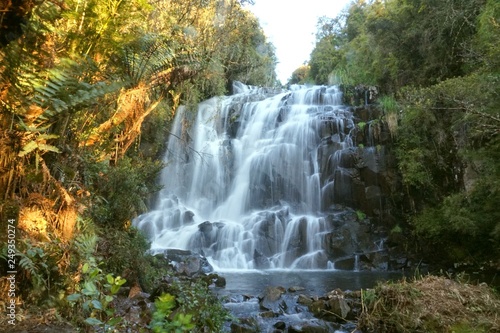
[(291, 26)]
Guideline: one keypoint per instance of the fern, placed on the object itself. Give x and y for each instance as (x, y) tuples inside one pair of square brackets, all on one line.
[(147, 59), (33, 262), (86, 244), (64, 90)]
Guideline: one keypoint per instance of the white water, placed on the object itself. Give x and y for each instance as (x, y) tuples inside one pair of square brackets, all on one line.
[(256, 181)]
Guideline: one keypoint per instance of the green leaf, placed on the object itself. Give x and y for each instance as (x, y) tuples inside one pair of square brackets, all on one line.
[(114, 321), (85, 268), (89, 288), (73, 297), (28, 148), (46, 147), (110, 279), (114, 289), (97, 305), (94, 273), (48, 136), (93, 321), (120, 281)]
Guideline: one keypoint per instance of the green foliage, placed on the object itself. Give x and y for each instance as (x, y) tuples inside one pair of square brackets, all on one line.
[(466, 328), (396, 43), (300, 75), (436, 65), (388, 104), (120, 191), (447, 149), (487, 38), (396, 229), (162, 324), (39, 277), (324, 58), (360, 215), (196, 299), (94, 296), (368, 297), (86, 81), (90, 303), (124, 251)]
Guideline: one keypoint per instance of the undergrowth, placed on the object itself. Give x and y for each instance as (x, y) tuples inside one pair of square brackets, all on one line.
[(430, 304)]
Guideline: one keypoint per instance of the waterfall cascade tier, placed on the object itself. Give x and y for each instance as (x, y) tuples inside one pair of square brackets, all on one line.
[(262, 179)]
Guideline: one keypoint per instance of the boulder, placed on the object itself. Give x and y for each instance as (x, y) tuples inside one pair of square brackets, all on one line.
[(245, 325), (187, 262), (339, 307), (271, 299), (304, 300), (309, 327)]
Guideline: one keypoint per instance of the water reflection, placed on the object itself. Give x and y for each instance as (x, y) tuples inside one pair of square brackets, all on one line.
[(315, 282)]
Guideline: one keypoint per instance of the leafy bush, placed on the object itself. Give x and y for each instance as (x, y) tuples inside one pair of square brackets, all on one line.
[(121, 191), (125, 252), (193, 297), (94, 295), (162, 323), (41, 270)]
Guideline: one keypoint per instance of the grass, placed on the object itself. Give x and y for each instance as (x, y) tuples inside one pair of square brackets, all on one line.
[(431, 304)]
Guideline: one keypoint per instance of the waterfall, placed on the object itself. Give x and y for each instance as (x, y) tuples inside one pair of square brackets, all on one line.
[(247, 178)]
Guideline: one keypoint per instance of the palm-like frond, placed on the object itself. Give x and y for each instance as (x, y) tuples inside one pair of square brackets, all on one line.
[(149, 59)]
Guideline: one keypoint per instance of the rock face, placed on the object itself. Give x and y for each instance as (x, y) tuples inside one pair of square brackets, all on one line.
[(187, 262), (360, 177)]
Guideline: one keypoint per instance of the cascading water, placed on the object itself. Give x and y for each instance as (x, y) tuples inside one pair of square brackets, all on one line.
[(243, 182)]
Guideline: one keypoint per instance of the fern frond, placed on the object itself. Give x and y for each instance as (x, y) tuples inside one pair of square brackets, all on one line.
[(147, 56), (86, 244)]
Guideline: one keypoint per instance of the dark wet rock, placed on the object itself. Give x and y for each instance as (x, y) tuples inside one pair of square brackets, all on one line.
[(271, 299), (317, 307), (206, 236), (215, 279), (281, 325), (339, 307), (267, 314), (187, 217), (310, 327), (205, 227), (220, 281), (187, 262), (260, 261), (304, 300), (245, 325)]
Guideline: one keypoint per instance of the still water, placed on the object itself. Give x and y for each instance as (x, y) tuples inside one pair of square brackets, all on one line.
[(315, 282)]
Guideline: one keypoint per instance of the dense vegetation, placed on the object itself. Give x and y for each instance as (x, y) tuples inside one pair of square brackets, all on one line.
[(436, 65), (87, 88)]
